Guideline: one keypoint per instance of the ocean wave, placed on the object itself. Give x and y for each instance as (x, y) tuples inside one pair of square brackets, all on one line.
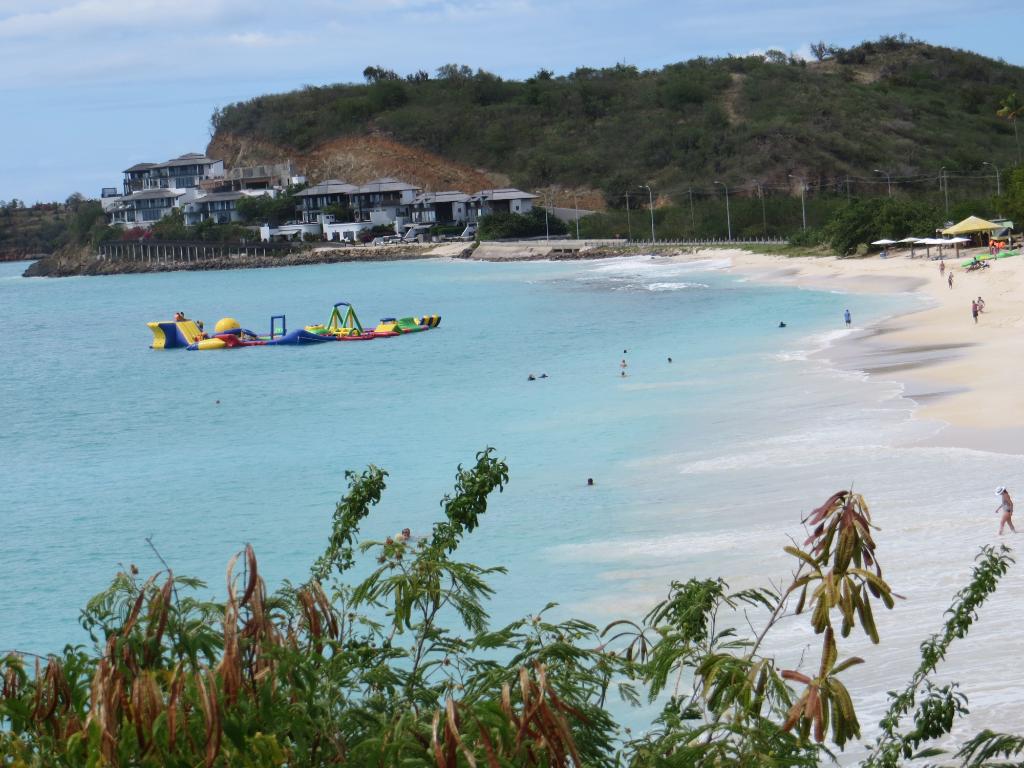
[(674, 286), (637, 266)]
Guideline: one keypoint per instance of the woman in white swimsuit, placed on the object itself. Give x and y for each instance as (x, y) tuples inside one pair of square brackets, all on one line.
[(1006, 507)]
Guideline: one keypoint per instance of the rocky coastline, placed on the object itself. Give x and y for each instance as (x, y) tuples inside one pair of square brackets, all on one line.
[(78, 262)]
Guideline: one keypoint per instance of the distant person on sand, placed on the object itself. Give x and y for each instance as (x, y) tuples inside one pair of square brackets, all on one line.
[(846, 317), (1006, 507), (981, 304), (942, 268), (974, 311), (950, 279)]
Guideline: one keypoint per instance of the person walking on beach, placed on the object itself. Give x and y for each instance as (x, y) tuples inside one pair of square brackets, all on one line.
[(981, 304), (974, 311), (950, 280), (846, 317), (942, 268), (1006, 507)]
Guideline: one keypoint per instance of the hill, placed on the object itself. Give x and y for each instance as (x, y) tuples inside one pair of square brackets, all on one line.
[(30, 232), (896, 104)]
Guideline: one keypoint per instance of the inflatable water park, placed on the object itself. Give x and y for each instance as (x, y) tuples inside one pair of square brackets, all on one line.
[(342, 325)]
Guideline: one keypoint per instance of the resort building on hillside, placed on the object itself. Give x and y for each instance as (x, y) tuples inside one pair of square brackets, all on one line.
[(440, 208), (270, 176), (508, 200), (383, 201), (185, 172), (218, 207), (145, 208), (326, 194)]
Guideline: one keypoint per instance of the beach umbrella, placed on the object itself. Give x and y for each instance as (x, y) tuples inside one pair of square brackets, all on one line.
[(884, 242), (909, 241), (956, 242)]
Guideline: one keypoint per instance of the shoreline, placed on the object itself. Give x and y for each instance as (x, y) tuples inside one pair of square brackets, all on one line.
[(957, 373)]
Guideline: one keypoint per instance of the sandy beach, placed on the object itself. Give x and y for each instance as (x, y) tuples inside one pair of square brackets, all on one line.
[(959, 372)]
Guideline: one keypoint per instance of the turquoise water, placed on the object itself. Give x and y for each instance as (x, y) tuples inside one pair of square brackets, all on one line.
[(106, 442), (702, 466)]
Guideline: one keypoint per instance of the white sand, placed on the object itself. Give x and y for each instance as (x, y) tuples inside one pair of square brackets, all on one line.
[(970, 370)]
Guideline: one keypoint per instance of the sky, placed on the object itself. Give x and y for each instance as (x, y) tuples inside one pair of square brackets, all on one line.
[(90, 87)]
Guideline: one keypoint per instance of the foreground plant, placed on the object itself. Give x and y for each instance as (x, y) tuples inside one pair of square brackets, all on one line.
[(402, 667)]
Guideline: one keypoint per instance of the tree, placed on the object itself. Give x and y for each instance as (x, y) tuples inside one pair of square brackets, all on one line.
[(1011, 108), (81, 225), (454, 72), (379, 74), (403, 668), (866, 220), (264, 209), (821, 50), (498, 226), (171, 227)]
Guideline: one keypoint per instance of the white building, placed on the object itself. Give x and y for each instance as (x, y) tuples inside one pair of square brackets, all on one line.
[(145, 208), (185, 172), (219, 207), (508, 200), (440, 208), (327, 194)]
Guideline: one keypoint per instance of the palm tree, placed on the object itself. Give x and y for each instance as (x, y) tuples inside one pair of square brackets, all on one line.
[(1011, 108)]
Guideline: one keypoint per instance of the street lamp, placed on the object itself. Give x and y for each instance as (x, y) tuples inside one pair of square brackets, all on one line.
[(764, 216), (803, 204), (999, 189), (650, 195), (693, 219), (728, 216), (888, 180)]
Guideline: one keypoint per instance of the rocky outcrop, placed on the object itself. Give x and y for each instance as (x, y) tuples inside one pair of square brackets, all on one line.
[(358, 159)]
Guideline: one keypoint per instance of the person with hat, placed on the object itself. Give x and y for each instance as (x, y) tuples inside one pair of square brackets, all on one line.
[(1006, 507)]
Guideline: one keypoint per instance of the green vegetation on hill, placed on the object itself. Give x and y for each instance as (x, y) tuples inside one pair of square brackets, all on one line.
[(895, 104), (401, 667), (28, 232)]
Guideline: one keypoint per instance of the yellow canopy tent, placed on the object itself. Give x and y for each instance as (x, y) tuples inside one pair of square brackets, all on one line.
[(969, 225)]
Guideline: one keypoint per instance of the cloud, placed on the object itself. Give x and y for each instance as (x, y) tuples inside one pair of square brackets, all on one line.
[(58, 19), (256, 39)]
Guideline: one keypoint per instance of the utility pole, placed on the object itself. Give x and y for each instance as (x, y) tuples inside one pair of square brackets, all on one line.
[(576, 205), (888, 180), (847, 189), (944, 179), (693, 220), (728, 215), (650, 195), (547, 229), (999, 189), (803, 204)]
